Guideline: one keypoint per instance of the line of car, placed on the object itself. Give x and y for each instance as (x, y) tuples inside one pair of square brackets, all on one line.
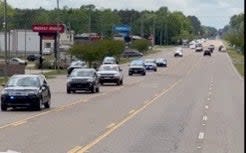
[(33, 90)]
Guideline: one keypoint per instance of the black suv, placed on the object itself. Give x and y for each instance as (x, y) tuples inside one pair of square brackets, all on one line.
[(83, 79), (26, 91), (207, 52), (211, 47), (137, 67)]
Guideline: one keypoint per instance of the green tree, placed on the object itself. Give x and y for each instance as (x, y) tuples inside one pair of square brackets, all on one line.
[(141, 45)]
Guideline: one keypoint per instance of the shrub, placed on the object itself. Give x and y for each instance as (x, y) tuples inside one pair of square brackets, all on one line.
[(141, 45)]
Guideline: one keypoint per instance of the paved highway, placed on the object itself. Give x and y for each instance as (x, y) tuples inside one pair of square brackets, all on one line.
[(195, 105)]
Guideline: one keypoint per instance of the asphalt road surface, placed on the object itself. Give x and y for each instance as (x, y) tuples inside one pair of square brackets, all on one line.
[(195, 105)]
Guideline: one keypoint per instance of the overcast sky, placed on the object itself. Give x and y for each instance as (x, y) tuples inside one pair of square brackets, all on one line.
[(215, 13)]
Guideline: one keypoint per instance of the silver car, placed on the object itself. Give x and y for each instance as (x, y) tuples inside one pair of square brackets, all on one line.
[(110, 73), (150, 64)]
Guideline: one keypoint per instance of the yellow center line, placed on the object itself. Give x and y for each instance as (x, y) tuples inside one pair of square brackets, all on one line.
[(19, 123), (75, 149), (110, 125), (132, 111)]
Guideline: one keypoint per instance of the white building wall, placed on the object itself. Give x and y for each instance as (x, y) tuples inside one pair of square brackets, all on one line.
[(21, 40)]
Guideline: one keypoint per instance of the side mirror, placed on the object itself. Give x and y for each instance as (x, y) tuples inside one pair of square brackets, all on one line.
[(43, 87), (3, 84)]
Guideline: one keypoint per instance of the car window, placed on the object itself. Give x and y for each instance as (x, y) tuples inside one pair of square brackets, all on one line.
[(82, 73), (24, 81), (136, 63), (109, 68)]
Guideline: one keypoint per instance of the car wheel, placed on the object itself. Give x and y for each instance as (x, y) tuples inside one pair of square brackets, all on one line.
[(97, 89), (39, 104), (93, 89), (121, 82), (47, 104), (118, 82), (4, 107), (155, 70), (130, 74), (144, 73), (68, 91)]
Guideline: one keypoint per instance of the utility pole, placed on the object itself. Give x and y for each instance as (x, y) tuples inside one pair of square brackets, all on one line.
[(5, 41), (161, 32), (25, 41), (142, 28), (153, 33), (57, 38), (166, 36), (89, 22)]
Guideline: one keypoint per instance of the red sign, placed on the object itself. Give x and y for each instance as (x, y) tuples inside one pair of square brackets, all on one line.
[(48, 28)]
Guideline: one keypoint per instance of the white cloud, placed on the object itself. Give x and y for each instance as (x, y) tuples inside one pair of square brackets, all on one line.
[(210, 12)]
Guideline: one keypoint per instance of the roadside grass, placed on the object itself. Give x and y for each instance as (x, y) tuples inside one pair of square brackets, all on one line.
[(53, 73), (2, 80), (237, 59)]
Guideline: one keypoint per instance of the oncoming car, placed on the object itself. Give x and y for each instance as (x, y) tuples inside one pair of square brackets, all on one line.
[(26, 91)]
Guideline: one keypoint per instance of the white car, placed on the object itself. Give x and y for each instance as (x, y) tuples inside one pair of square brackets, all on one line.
[(178, 53), (150, 64), (192, 46), (109, 60), (17, 60), (110, 73)]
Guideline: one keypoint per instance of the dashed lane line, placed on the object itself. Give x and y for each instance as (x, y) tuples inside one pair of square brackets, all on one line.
[(201, 135)]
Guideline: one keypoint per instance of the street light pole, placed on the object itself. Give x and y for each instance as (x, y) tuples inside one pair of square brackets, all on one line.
[(5, 40), (57, 38)]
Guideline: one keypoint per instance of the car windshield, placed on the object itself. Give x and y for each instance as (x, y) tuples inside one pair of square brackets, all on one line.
[(77, 63), (109, 60), (108, 68), (136, 63), (82, 73), (28, 81), (160, 60), (149, 61)]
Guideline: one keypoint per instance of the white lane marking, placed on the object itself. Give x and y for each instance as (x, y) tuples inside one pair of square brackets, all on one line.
[(201, 135), (204, 118), (199, 147), (210, 88), (210, 93), (10, 151), (206, 106), (208, 98), (203, 124)]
